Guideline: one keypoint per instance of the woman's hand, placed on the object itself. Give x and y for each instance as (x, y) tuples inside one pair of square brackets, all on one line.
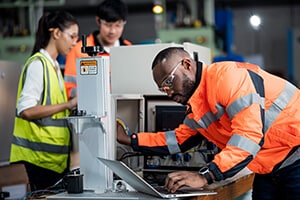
[(72, 104)]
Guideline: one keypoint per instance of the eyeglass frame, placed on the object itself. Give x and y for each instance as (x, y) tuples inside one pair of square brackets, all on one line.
[(72, 36), (167, 83)]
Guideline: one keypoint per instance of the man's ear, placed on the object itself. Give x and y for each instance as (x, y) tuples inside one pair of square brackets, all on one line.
[(186, 62), (97, 20)]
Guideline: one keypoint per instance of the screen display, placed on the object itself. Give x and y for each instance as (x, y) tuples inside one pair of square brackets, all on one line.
[(168, 117)]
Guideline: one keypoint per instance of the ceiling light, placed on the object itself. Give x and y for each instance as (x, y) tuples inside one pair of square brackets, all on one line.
[(255, 21), (157, 9)]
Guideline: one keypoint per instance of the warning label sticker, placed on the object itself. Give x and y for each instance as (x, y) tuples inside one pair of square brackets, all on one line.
[(88, 67)]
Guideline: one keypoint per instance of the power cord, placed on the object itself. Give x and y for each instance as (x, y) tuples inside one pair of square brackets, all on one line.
[(130, 154), (124, 125), (58, 187), (41, 194)]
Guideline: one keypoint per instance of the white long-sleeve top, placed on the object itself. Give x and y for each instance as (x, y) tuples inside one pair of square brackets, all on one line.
[(34, 83)]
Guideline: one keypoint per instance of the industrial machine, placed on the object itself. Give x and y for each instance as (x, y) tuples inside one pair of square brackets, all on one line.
[(92, 123)]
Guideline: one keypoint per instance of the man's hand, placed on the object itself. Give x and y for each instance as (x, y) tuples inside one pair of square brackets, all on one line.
[(176, 180), (122, 136)]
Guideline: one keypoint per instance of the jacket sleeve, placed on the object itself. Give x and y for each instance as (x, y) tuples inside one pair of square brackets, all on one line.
[(70, 73), (165, 143), (70, 70)]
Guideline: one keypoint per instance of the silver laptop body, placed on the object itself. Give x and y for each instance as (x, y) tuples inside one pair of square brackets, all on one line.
[(139, 184)]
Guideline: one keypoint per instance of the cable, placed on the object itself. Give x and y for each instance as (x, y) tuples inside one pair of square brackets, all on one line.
[(124, 125), (41, 193), (130, 154)]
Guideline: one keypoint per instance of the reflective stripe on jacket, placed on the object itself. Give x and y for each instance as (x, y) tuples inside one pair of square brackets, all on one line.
[(226, 109), (43, 142), (70, 66)]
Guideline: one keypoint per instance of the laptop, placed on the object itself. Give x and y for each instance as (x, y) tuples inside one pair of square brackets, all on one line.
[(139, 184)]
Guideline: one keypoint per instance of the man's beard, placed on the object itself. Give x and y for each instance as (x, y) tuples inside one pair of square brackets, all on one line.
[(187, 90)]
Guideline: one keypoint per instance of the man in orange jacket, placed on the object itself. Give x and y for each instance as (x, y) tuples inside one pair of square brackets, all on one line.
[(250, 114), (111, 19)]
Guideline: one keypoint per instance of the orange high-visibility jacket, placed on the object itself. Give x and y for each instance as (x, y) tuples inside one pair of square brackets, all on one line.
[(70, 66), (226, 108)]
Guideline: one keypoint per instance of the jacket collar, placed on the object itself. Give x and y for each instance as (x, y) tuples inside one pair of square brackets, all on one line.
[(198, 75), (198, 78), (97, 43), (197, 83)]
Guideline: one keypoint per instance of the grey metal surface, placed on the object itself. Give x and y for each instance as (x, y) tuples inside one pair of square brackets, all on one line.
[(107, 195), (94, 139), (9, 78)]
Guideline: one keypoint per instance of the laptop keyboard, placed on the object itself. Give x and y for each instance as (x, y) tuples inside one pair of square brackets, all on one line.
[(163, 190)]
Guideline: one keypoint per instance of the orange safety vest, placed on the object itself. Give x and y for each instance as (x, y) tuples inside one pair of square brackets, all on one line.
[(70, 65), (226, 109)]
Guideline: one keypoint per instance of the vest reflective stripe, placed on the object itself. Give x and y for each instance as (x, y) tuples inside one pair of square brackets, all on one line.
[(172, 142), (244, 102), (207, 120), (38, 146), (291, 159), (73, 93), (279, 104), (258, 83), (244, 144), (220, 111), (51, 122), (48, 98), (191, 123), (69, 78)]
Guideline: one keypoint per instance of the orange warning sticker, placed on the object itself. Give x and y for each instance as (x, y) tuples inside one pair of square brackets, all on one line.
[(88, 67)]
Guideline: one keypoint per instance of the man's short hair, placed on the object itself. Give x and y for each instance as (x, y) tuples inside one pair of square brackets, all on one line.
[(166, 54), (112, 10)]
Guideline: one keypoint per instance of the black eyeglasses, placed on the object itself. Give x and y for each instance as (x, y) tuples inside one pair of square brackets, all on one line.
[(167, 83)]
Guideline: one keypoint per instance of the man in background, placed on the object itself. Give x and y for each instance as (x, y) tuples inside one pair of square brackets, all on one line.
[(111, 18)]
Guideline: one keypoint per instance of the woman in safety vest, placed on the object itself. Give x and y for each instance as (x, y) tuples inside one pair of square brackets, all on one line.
[(41, 138), (251, 115)]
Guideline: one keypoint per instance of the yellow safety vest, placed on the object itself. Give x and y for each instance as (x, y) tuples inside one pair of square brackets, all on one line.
[(44, 142)]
